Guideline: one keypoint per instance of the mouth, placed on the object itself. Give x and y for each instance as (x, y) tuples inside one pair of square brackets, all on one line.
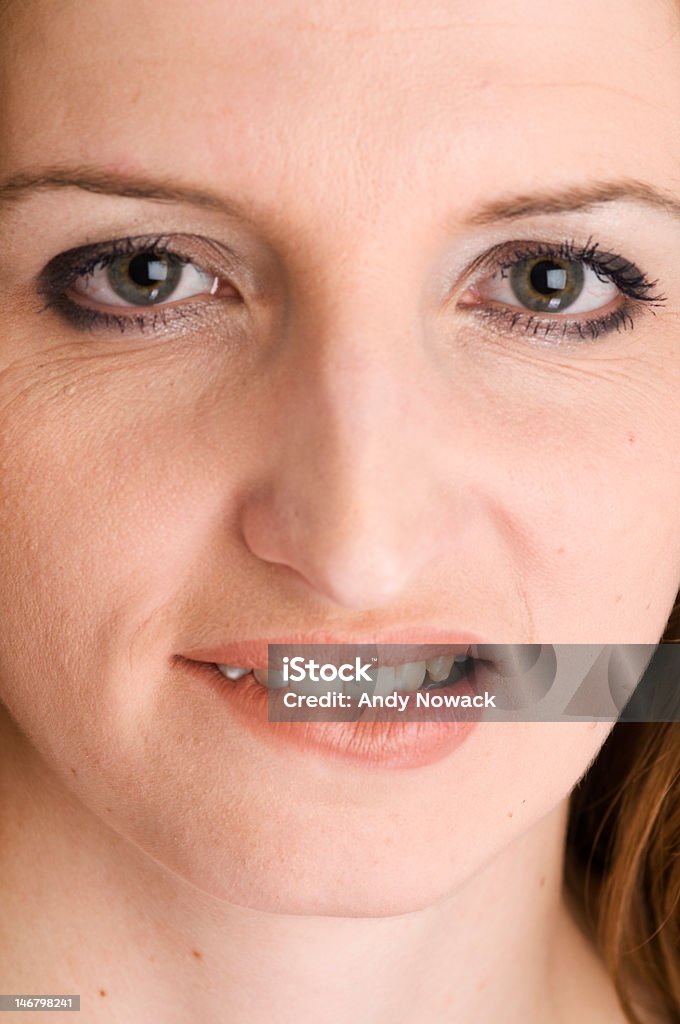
[(438, 667), (386, 736)]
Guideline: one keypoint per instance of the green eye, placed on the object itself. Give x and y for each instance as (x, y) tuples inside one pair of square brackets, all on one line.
[(547, 284), (144, 278)]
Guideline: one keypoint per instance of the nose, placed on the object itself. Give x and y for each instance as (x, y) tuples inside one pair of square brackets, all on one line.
[(351, 495)]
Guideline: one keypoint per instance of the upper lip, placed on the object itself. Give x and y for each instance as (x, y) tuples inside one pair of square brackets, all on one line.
[(395, 648)]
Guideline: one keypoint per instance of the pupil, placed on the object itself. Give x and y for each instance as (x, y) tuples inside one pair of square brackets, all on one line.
[(547, 278), (146, 271)]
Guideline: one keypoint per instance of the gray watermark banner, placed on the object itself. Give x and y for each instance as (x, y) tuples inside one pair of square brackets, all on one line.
[(490, 683)]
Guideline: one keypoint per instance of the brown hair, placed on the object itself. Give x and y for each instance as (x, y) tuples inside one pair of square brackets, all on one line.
[(622, 862)]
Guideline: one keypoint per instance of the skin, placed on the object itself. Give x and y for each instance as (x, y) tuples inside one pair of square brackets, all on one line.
[(236, 475)]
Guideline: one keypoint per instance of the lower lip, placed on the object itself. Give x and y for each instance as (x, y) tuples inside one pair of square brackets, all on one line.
[(390, 743)]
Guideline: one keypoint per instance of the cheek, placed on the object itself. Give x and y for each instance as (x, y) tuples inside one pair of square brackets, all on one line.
[(99, 516), (102, 483), (589, 492)]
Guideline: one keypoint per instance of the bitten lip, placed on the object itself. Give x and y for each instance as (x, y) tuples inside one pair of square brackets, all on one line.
[(395, 648)]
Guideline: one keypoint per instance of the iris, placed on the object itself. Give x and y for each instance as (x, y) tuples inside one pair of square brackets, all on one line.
[(143, 278), (543, 284)]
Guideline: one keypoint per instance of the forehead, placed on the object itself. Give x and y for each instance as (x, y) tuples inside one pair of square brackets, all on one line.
[(342, 102)]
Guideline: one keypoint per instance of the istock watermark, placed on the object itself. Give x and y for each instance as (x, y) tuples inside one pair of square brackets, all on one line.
[(491, 682), (297, 669)]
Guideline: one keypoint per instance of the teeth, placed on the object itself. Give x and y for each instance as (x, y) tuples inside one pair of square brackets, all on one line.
[(439, 668), (273, 679), (385, 682), (310, 688), (406, 678), (409, 677), (233, 671)]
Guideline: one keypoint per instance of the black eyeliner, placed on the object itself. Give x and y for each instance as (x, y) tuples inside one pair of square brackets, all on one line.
[(625, 275), (66, 268)]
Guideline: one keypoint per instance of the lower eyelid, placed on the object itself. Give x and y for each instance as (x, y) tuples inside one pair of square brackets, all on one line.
[(506, 319), (122, 319), (557, 329)]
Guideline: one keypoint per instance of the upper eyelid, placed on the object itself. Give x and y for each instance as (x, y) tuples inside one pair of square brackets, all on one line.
[(223, 261), (618, 268), (66, 267), (518, 249)]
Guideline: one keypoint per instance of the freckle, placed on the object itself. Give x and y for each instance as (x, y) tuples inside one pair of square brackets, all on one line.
[(509, 814), (102, 992), (197, 954), (73, 770), (108, 809), (560, 551), (152, 958), (618, 598), (542, 881)]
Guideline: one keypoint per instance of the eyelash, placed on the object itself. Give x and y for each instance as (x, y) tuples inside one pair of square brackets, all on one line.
[(64, 270), (627, 278)]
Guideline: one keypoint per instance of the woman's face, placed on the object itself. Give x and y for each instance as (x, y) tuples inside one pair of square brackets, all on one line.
[(342, 418)]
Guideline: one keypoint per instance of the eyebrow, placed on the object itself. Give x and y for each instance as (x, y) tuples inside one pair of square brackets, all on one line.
[(575, 198), (113, 183), (512, 207)]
